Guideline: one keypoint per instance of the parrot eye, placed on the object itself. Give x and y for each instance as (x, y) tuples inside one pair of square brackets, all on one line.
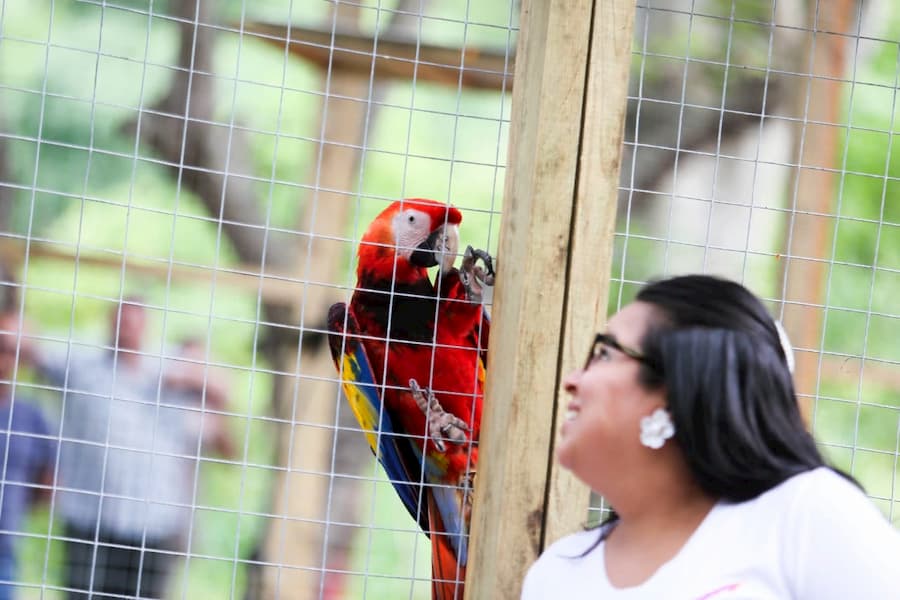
[(411, 219)]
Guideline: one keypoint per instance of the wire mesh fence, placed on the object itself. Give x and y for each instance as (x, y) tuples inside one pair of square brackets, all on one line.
[(183, 188), (759, 147), (210, 168)]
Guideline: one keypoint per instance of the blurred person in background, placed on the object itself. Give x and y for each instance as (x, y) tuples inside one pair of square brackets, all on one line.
[(28, 452), (192, 382), (684, 418), (9, 290), (130, 443)]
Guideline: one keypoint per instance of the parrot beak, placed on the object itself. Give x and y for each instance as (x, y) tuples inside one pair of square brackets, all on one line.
[(440, 244)]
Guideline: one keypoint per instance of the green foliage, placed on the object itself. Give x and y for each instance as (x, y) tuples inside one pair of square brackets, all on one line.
[(856, 416), (867, 236)]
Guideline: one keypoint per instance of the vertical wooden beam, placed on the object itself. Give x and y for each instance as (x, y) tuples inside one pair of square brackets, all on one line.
[(811, 226), (593, 228), (537, 323), (319, 494), (307, 398)]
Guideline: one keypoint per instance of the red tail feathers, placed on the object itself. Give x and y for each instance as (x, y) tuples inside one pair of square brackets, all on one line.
[(447, 575)]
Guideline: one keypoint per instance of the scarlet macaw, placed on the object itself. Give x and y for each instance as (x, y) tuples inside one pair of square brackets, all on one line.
[(411, 355)]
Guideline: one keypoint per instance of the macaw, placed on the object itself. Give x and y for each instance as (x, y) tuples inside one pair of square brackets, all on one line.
[(411, 354)]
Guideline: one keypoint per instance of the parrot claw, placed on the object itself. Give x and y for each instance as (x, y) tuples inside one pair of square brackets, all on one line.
[(442, 426), (473, 276)]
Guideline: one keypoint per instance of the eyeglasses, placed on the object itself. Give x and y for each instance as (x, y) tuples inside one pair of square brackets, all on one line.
[(604, 341)]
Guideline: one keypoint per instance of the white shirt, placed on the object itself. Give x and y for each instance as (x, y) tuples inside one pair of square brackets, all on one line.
[(814, 537), (128, 447)]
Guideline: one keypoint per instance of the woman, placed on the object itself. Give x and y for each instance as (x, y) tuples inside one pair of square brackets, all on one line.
[(684, 418)]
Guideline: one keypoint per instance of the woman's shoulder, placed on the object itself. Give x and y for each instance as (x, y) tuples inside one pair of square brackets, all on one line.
[(812, 496), (808, 484), (821, 477), (818, 499), (836, 542), (564, 566), (815, 484)]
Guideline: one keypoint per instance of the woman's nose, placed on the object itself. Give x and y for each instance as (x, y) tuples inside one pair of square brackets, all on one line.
[(570, 381)]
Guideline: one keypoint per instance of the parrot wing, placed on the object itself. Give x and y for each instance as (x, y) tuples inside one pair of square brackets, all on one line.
[(394, 452)]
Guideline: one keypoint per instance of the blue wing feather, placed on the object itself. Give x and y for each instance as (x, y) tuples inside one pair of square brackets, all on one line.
[(394, 452)]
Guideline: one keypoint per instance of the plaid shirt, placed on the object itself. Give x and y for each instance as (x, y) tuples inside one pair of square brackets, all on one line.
[(128, 446)]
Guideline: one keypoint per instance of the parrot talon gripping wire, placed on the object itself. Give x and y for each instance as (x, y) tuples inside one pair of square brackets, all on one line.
[(442, 426), (473, 276)]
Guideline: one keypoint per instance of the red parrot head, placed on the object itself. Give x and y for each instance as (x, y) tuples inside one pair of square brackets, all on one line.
[(415, 233)]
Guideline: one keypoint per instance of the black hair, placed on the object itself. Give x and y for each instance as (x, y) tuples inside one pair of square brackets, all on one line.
[(716, 350), (729, 390)]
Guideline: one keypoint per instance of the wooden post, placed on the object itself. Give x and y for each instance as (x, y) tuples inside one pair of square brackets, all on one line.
[(810, 226), (318, 493), (593, 228), (307, 397), (555, 246)]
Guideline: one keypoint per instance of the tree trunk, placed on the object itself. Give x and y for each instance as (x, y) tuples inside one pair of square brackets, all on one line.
[(317, 497), (810, 228), (8, 289)]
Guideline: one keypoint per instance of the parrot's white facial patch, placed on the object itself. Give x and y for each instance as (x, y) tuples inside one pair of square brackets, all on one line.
[(447, 247), (411, 228)]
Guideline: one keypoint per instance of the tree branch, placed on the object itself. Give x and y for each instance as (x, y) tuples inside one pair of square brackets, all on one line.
[(207, 156), (658, 133)]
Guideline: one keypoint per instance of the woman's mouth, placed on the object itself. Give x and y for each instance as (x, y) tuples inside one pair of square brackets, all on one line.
[(570, 417)]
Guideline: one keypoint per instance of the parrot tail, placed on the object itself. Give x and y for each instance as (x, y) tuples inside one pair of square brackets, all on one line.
[(447, 575)]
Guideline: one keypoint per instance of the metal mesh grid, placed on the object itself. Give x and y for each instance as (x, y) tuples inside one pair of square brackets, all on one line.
[(721, 174), (222, 225), (104, 193)]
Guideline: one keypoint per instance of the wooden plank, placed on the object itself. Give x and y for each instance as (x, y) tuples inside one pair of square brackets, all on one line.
[(521, 392), (354, 53), (311, 546), (590, 258), (302, 541), (811, 228), (299, 541), (273, 286)]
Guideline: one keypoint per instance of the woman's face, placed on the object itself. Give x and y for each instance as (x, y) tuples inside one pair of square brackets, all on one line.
[(601, 434)]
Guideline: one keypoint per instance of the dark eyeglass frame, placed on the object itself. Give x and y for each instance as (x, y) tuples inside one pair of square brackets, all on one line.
[(609, 340)]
